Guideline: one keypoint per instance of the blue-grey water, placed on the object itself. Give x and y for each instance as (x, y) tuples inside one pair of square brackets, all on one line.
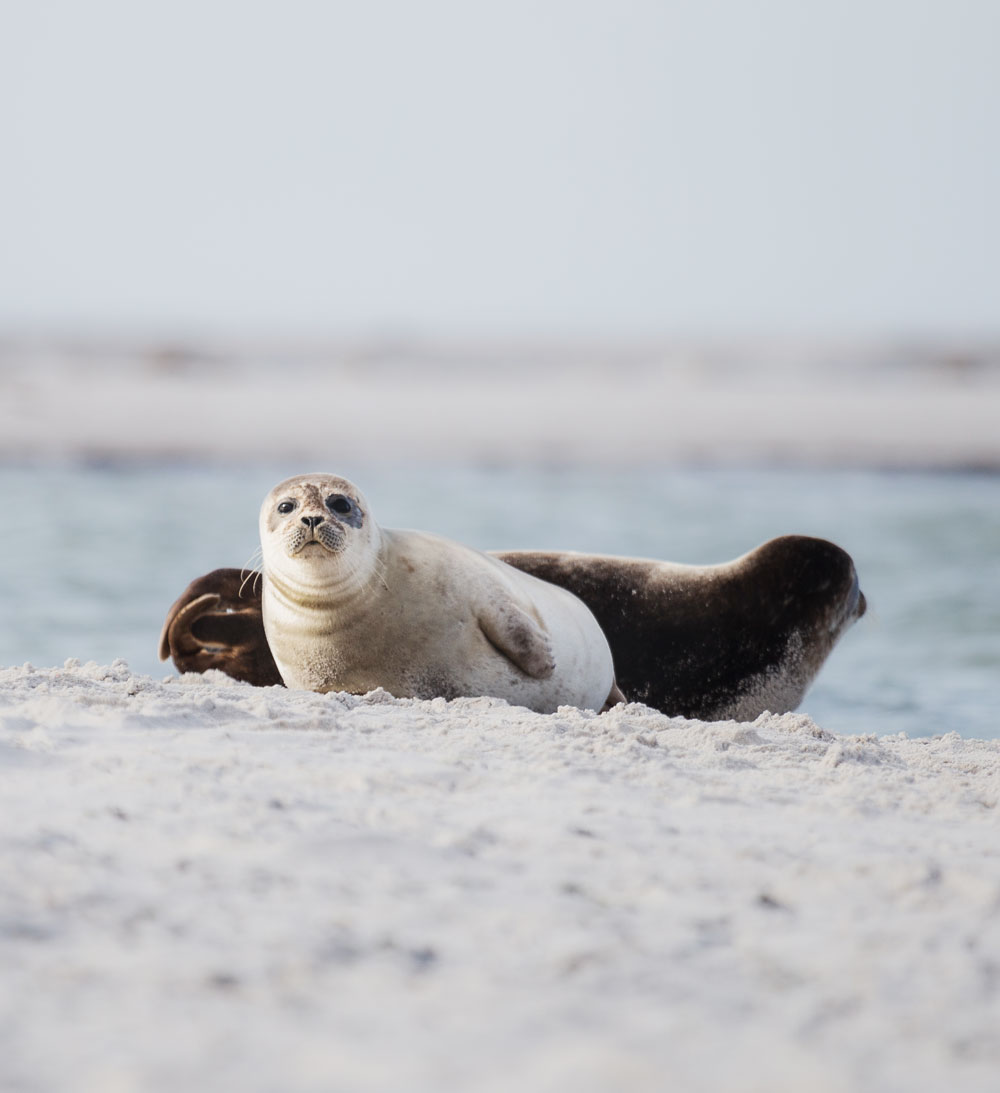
[(93, 557)]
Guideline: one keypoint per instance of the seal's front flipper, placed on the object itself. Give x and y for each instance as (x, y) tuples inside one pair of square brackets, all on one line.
[(218, 623), (516, 635)]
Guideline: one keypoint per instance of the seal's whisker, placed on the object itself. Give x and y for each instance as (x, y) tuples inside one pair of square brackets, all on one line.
[(250, 572), (255, 559)]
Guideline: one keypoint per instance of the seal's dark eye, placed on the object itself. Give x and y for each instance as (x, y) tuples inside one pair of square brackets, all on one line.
[(336, 503), (286, 507)]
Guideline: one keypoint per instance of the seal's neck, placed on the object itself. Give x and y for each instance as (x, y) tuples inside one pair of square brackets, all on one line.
[(320, 580)]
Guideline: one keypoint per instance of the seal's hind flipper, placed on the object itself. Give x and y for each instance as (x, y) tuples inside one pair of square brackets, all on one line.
[(217, 623), (516, 635), (615, 698)]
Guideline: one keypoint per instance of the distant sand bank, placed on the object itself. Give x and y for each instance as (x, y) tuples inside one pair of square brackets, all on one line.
[(785, 403)]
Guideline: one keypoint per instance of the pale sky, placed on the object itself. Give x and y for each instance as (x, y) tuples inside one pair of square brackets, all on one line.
[(612, 167)]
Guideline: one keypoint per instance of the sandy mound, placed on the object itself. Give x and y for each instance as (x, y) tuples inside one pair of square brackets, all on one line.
[(207, 885)]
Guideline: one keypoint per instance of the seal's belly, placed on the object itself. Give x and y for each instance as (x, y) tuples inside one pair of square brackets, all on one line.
[(407, 660), (451, 659)]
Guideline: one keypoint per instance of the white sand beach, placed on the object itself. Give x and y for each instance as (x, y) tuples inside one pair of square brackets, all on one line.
[(211, 886)]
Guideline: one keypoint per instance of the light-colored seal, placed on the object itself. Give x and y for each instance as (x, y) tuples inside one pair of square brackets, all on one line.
[(351, 606), (710, 642)]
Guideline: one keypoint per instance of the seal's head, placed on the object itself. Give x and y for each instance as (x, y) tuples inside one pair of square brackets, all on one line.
[(314, 522)]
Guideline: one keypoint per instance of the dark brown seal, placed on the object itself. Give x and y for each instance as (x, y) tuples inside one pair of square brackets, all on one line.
[(708, 642), (720, 641)]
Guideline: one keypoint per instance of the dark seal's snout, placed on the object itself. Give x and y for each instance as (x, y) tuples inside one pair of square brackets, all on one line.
[(857, 605), (862, 605)]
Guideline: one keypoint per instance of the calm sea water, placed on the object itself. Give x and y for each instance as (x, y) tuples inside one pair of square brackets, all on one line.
[(94, 556)]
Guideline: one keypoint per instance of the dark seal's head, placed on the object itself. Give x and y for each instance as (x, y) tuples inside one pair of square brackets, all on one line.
[(805, 582), (790, 600)]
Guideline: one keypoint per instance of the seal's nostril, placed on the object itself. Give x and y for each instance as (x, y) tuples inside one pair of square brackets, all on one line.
[(312, 521)]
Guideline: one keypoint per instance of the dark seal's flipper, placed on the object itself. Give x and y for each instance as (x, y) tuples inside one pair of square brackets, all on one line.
[(217, 623), (709, 642)]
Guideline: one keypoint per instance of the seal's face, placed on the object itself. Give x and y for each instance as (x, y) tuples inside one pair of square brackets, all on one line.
[(312, 517)]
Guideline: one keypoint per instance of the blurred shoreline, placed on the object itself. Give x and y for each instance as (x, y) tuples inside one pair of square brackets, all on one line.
[(862, 403)]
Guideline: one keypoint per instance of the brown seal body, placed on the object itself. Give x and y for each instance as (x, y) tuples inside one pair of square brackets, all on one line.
[(708, 642), (720, 641)]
